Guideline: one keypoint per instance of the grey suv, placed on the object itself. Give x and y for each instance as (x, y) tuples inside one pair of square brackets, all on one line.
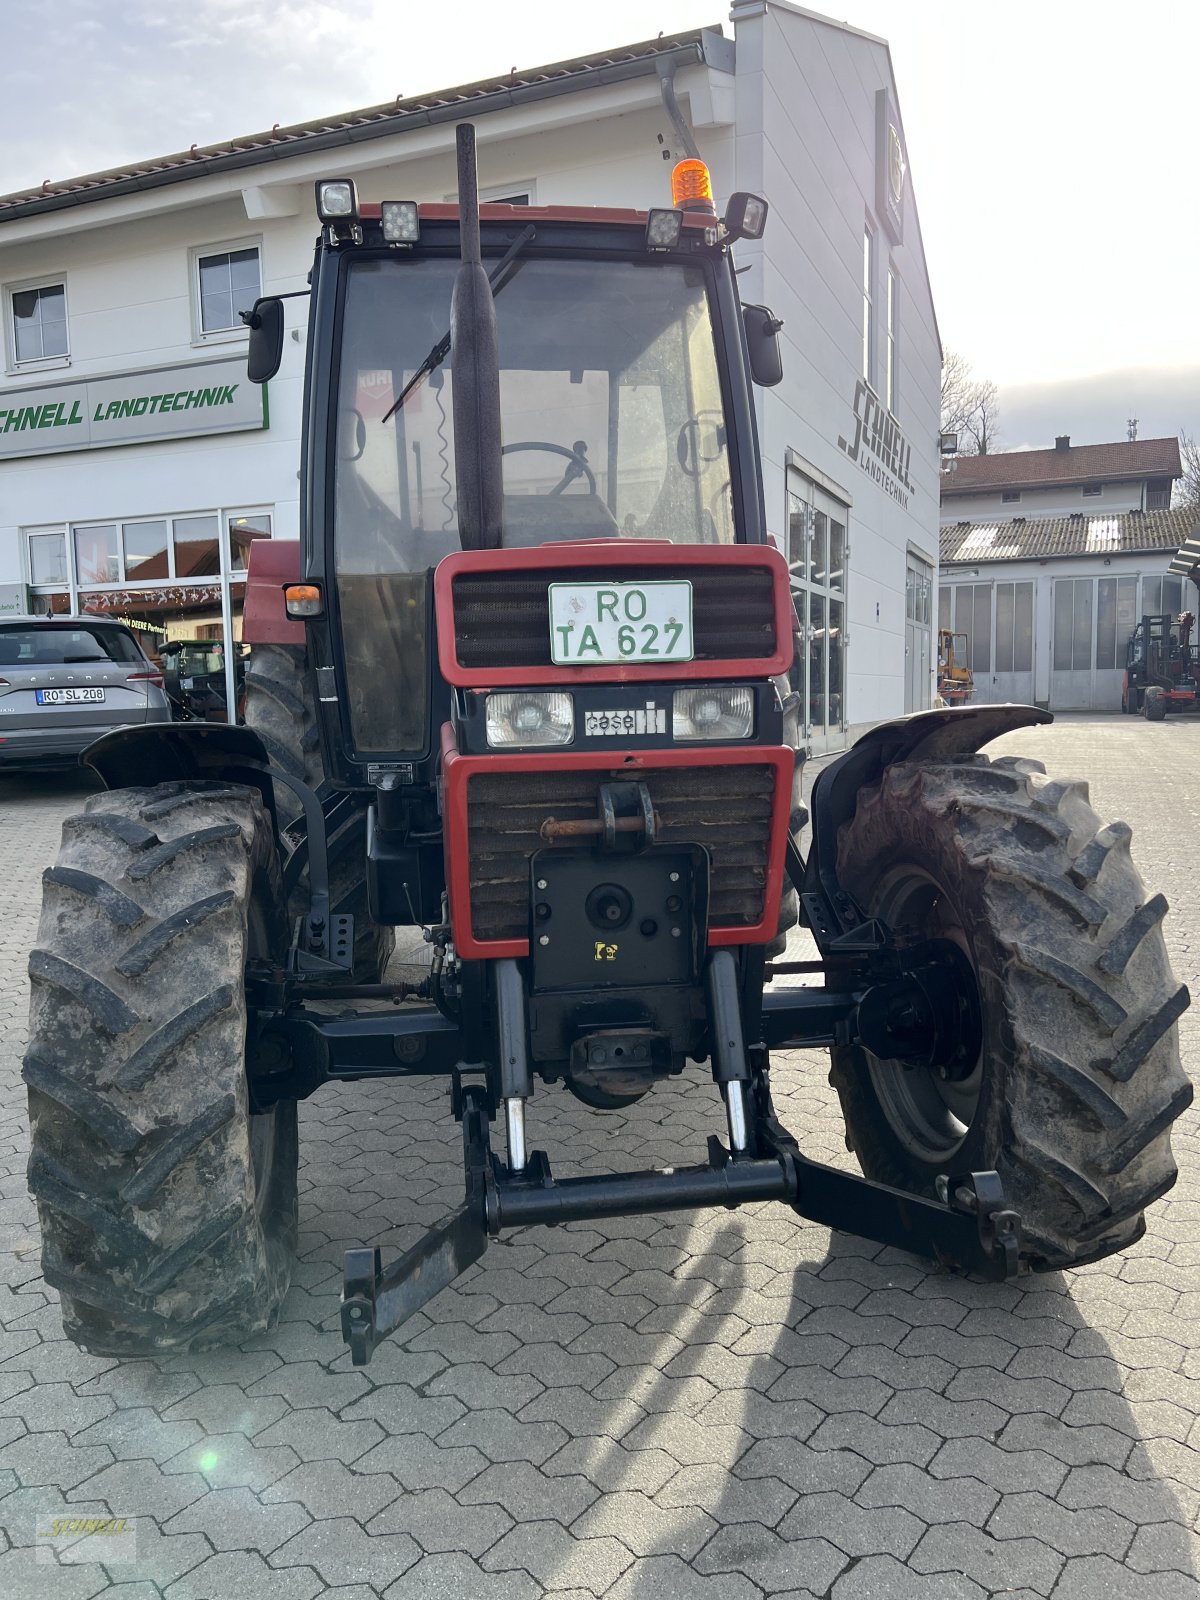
[(66, 680)]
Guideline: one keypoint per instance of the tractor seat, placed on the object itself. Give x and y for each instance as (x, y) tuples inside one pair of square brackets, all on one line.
[(533, 519)]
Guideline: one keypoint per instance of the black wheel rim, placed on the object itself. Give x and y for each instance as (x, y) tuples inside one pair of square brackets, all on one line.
[(930, 1116)]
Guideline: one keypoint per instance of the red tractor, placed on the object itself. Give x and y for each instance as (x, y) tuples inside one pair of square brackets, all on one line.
[(525, 687)]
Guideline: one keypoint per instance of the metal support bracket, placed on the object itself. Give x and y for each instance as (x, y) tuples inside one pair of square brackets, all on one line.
[(321, 943), (969, 1228), (375, 1301)]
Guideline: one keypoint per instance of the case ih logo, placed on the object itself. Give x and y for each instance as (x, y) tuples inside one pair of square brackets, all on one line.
[(879, 445)]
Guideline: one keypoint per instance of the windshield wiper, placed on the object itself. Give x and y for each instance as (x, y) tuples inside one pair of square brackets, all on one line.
[(441, 349)]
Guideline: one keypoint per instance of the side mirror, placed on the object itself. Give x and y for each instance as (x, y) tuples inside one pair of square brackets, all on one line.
[(762, 345), (265, 322)]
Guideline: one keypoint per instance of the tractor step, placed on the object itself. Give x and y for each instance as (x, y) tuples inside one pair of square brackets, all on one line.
[(970, 1230)]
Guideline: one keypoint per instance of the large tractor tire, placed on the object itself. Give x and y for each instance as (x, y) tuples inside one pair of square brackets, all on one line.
[(1155, 705), (168, 1208), (1079, 1080), (281, 710)]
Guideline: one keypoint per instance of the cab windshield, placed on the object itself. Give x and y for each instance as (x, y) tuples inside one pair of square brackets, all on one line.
[(612, 423)]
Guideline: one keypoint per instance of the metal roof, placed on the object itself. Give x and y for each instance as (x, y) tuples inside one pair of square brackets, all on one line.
[(1036, 538), (695, 46)]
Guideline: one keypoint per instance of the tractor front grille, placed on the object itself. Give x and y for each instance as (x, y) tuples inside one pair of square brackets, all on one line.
[(502, 619), (727, 809)]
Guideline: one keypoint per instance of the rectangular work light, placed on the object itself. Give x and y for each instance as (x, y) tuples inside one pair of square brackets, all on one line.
[(337, 200), (401, 221), (746, 216), (663, 229)]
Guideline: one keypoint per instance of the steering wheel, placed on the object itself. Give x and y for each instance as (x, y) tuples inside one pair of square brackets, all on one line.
[(577, 462)]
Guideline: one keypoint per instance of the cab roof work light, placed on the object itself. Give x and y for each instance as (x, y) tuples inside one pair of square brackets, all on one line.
[(400, 220), (337, 200), (663, 229), (745, 216)]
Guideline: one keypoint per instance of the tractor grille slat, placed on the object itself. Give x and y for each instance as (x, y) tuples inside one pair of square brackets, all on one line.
[(725, 809), (503, 619)]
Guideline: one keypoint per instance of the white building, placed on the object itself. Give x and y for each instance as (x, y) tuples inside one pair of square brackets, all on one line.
[(136, 461), (1049, 558), (1093, 479)]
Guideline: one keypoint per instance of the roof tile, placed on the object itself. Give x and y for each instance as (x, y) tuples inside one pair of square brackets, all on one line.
[(1090, 463), (977, 543)]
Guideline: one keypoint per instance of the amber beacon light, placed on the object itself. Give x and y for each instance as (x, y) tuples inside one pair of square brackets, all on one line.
[(691, 187)]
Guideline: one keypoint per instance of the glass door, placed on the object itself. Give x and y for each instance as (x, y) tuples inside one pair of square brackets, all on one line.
[(817, 559), (918, 605)]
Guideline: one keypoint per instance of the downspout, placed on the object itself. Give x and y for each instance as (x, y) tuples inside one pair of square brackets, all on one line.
[(666, 81)]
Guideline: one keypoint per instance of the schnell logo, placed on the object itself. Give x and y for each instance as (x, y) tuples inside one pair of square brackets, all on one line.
[(879, 445)]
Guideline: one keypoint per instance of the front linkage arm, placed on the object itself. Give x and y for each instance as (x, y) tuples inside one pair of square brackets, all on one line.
[(970, 1229)]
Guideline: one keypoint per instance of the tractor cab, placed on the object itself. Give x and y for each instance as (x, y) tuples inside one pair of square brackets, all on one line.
[(620, 400)]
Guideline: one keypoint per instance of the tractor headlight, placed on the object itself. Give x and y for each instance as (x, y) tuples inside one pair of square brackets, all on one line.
[(713, 713), (520, 719)]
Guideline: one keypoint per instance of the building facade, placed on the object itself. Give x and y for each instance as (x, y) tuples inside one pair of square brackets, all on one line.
[(1049, 559), (137, 464), (1092, 479)]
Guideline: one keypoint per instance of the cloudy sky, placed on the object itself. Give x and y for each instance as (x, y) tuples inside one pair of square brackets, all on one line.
[(1052, 145)]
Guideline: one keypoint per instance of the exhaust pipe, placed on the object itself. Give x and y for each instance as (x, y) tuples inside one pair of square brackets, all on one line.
[(476, 368)]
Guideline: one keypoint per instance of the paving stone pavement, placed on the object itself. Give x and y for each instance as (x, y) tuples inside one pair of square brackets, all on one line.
[(717, 1406)]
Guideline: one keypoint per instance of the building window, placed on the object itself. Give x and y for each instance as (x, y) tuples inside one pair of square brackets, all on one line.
[(890, 375), (48, 560), (1158, 494), (518, 193), (1010, 497), (38, 323), (868, 325), (227, 282), (1162, 597), (154, 550), (97, 554), (1091, 490), (145, 550), (817, 559), (243, 531)]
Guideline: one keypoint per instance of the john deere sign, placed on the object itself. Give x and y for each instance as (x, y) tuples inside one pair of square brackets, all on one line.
[(134, 408)]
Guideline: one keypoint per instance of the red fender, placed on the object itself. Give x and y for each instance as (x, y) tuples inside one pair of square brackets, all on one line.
[(273, 563)]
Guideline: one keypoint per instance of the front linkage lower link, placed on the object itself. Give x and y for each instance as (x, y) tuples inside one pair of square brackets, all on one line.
[(970, 1228)]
